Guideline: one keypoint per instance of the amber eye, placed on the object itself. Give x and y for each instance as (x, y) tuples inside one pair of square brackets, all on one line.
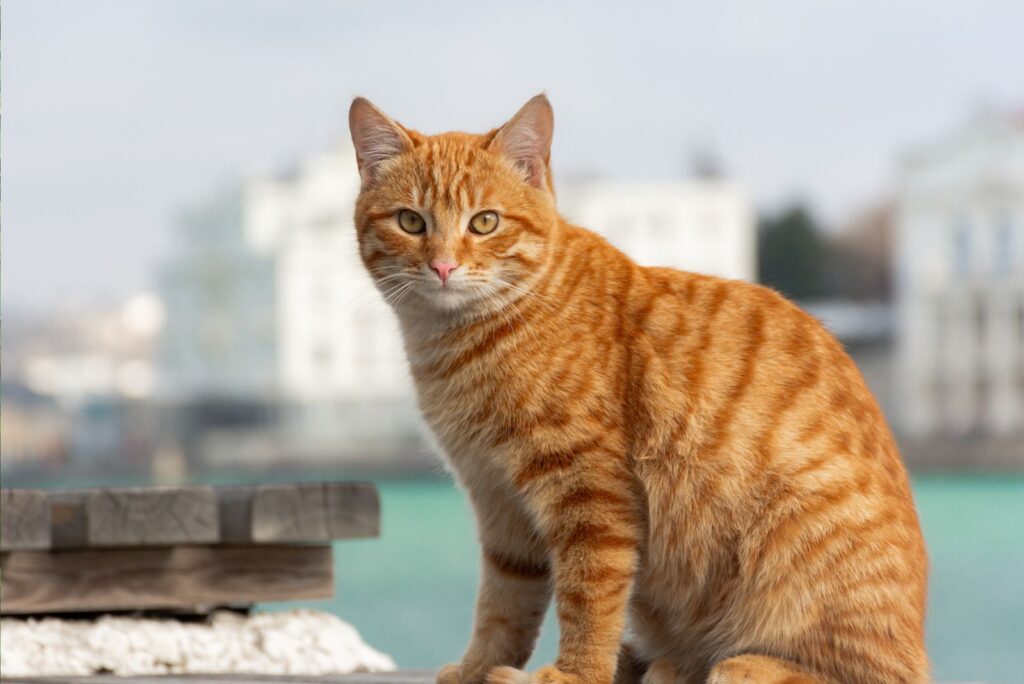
[(483, 223), (411, 222)]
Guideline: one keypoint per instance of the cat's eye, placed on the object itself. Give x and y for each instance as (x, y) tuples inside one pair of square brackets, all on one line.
[(483, 223), (411, 222)]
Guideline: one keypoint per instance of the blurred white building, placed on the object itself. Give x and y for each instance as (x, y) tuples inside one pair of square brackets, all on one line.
[(340, 367), (220, 296), (84, 352), (960, 283), (336, 336), (702, 225), (76, 383)]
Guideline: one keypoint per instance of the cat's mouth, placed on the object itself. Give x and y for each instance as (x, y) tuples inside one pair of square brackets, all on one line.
[(453, 295), (457, 294)]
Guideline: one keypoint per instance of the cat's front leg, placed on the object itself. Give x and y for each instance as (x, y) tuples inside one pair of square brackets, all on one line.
[(592, 525), (514, 592), (513, 597)]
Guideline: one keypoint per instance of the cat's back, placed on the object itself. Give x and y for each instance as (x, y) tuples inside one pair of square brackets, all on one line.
[(751, 367), (761, 404), (717, 367), (774, 484)]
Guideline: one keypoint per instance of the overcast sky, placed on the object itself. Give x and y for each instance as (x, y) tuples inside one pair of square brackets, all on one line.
[(116, 113)]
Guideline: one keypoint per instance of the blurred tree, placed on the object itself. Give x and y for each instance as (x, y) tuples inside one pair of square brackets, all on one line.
[(793, 254), (861, 263)]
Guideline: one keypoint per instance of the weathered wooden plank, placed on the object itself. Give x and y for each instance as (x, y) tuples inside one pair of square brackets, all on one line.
[(157, 516), (163, 516), (152, 516), (24, 519), (234, 513), (68, 528), (288, 512), (147, 578), (404, 677), (315, 512), (353, 510)]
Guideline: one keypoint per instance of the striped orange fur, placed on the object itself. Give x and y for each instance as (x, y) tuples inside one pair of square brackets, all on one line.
[(693, 457)]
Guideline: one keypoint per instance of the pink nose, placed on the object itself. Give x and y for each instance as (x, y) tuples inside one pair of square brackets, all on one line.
[(443, 269)]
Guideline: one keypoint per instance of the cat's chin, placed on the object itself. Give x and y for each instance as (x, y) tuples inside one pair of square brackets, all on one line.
[(453, 300)]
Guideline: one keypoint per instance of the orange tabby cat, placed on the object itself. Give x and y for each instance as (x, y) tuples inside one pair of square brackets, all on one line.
[(694, 456)]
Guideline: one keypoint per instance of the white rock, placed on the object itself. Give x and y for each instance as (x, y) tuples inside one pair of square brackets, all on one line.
[(298, 642)]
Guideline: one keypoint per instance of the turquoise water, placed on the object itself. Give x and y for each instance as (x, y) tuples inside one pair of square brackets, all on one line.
[(975, 533), (410, 592)]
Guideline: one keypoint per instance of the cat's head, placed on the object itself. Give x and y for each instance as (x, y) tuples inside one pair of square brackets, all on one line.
[(456, 222)]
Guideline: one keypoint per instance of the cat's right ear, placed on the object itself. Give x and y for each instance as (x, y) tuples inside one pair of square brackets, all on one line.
[(376, 137)]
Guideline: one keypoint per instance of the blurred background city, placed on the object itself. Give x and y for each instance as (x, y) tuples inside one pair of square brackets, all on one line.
[(182, 300)]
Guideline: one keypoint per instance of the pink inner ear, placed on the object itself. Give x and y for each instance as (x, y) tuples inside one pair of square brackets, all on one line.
[(376, 137), (526, 139), (527, 151), (535, 170), (379, 143)]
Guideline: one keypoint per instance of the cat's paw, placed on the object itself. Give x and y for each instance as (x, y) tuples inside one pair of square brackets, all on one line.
[(662, 672), (545, 675), (449, 674), (754, 668)]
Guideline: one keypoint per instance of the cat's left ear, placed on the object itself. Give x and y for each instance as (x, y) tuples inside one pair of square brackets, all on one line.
[(526, 140)]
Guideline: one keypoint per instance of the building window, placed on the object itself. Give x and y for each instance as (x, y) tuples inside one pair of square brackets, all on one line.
[(1004, 245), (980, 322), (961, 247)]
